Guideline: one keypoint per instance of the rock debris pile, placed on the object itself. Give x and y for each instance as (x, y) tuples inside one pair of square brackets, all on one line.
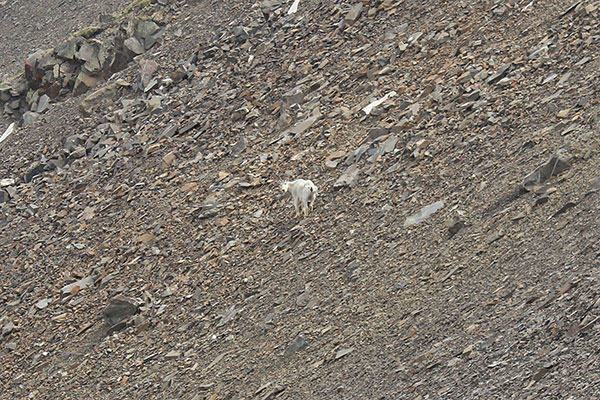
[(75, 66)]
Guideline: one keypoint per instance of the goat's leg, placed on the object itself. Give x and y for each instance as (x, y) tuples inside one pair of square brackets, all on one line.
[(297, 207), (305, 206)]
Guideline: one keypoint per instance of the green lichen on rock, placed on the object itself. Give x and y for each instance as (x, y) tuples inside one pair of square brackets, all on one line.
[(135, 4), (87, 32), (8, 83)]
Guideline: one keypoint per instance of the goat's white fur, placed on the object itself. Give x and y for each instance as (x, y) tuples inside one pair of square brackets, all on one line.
[(303, 192)]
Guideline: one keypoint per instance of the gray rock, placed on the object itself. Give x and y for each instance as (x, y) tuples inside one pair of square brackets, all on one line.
[(56, 162), (298, 345), (227, 316), (377, 131), (154, 104), (147, 32), (7, 328), (30, 117), (303, 126), (72, 142), (34, 171), (119, 310), (4, 197), (352, 271), (348, 178), (423, 213), (173, 354), (389, 144), (82, 284), (454, 225), (294, 96), (241, 33), (84, 82), (68, 50), (168, 132), (239, 147), (500, 10), (352, 15), (472, 96), (555, 165), (43, 303), (343, 352), (87, 52), (147, 70), (538, 51), (502, 72), (150, 85), (414, 37), (92, 140), (43, 104), (7, 182), (134, 45), (98, 98)]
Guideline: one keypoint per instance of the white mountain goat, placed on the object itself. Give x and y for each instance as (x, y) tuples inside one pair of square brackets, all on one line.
[(303, 192)]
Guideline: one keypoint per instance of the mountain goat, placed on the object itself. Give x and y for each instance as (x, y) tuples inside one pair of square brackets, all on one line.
[(303, 192)]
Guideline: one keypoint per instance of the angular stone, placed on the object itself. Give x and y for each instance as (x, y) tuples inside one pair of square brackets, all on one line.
[(134, 45), (7, 182), (146, 32), (298, 345), (43, 103), (7, 328), (304, 125), (30, 117), (98, 98), (87, 52), (239, 147), (348, 178), (43, 303), (502, 72), (343, 352), (83, 83), (294, 96), (34, 171), (241, 33), (68, 50), (377, 131), (81, 284), (71, 142), (173, 354), (555, 165), (147, 69), (119, 310), (352, 15), (423, 213), (11, 128)]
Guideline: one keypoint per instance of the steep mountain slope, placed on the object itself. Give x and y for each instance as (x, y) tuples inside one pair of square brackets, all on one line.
[(161, 260)]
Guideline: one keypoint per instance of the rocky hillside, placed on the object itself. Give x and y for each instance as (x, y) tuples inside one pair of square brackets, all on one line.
[(147, 251)]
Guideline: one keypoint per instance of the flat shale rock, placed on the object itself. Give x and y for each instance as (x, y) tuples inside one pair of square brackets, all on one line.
[(348, 178), (119, 310), (557, 164)]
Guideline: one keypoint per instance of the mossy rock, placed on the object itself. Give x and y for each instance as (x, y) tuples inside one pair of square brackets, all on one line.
[(87, 32), (135, 4), (8, 83)]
